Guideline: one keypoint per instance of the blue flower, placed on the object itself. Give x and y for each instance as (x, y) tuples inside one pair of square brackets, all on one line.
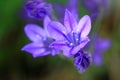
[(71, 6), (40, 40), (82, 60), (70, 37), (100, 46), (94, 7), (38, 9)]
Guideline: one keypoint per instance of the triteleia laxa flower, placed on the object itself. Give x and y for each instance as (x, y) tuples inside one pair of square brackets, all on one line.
[(71, 6), (38, 9), (82, 60), (94, 7), (70, 37), (100, 46), (40, 40)]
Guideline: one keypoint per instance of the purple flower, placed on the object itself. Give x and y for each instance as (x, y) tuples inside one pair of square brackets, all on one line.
[(71, 6), (94, 6), (91, 5), (100, 46), (40, 40), (82, 60), (38, 9), (71, 37)]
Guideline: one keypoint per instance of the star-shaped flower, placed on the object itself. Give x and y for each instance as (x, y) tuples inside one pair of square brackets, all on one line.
[(70, 37), (40, 40)]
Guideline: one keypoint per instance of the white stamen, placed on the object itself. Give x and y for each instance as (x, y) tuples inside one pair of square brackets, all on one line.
[(71, 44), (77, 39), (37, 36)]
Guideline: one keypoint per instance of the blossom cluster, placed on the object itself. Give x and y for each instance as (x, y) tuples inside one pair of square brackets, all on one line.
[(70, 37)]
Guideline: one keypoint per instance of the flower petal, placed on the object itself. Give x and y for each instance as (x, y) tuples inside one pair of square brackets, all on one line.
[(83, 42), (61, 45), (101, 44), (84, 26), (56, 30), (34, 32), (92, 6), (45, 53), (98, 58), (36, 49), (69, 21), (67, 51), (54, 52), (47, 20), (58, 44)]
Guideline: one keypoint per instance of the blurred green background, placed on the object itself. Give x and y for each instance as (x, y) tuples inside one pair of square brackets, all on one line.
[(18, 65)]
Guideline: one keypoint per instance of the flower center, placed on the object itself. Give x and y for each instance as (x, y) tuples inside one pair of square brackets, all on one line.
[(47, 42), (73, 39)]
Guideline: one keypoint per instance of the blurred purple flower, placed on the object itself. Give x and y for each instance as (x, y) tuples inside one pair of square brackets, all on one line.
[(71, 6), (38, 9), (71, 37), (100, 46), (82, 60), (40, 40), (91, 5), (94, 6)]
